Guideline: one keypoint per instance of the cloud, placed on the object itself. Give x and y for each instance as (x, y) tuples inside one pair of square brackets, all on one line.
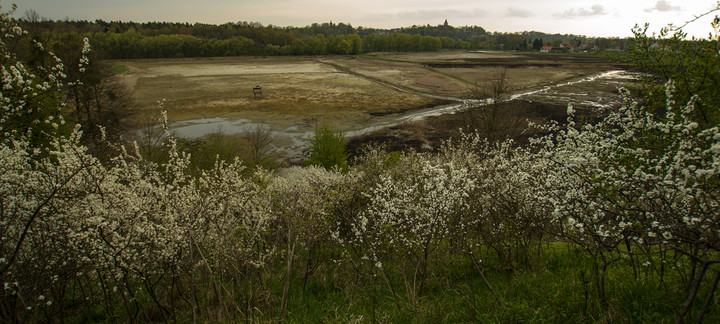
[(429, 14), (595, 10), (515, 12), (663, 5)]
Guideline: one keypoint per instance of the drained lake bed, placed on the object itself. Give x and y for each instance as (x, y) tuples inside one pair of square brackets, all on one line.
[(353, 95)]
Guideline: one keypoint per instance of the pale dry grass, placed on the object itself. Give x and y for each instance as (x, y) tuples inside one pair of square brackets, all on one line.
[(299, 87), (344, 91)]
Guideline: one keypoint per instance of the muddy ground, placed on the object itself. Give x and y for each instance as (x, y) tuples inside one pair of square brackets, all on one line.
[(430, 134)]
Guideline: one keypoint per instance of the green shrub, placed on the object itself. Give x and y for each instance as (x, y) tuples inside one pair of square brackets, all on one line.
[(328, 149)]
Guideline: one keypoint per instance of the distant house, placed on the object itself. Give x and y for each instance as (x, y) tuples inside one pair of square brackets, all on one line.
[(588, 47), (550, 49), (568, 47)]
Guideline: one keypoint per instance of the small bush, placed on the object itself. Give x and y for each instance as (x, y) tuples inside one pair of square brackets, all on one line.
[(328, 149)]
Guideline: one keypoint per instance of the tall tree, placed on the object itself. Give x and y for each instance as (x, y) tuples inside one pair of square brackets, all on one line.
[(356, 43)]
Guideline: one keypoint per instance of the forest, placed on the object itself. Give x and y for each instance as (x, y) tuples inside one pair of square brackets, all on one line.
[(127, 40), (615, 219)]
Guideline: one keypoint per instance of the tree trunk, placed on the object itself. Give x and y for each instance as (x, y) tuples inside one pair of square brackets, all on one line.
[(288, 273)]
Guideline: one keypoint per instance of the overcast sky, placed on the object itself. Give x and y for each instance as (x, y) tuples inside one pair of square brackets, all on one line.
[(581, 17)]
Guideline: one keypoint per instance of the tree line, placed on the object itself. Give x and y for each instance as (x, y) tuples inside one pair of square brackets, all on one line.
[(128, 40)]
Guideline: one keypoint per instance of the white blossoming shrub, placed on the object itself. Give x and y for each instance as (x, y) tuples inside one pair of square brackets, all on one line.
[(637, 177), (76, 232), (216, 222), (41, 174), (301, 199), (39, 245), (66, 218), (408, 212), (30, 93), (506, 219)]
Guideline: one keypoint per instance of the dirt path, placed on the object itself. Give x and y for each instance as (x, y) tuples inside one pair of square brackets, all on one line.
[(397, 87)]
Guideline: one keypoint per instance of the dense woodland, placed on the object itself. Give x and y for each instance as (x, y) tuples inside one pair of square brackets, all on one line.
[(617, 220), (125, 40)]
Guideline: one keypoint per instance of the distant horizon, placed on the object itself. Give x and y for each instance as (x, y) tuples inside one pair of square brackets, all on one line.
[(326, 22), (612, 19)]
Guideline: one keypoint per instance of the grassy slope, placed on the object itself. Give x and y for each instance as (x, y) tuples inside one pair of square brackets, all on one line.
[(558, 289)]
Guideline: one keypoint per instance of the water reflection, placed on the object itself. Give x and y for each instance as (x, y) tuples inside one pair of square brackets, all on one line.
[(195, 128)]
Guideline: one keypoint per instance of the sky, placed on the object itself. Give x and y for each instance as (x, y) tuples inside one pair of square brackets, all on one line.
[(598, 18)]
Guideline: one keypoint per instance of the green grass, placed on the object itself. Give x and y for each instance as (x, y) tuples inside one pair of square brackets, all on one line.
[(560, 290), (119, 69)]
